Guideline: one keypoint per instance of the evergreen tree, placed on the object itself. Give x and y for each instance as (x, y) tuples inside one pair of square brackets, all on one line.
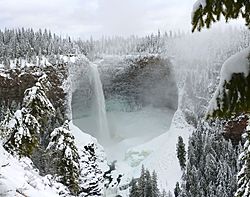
[(36, 101), (148, 185), (177, 190), (142, 182), (155, 189), (91, 179), (66, 158), (145, 186), (38, 104), (244, 174), (23, 130), (181, 153), (233, 97), (207, 167), (207, 12), (25, 127), (134, 192), (5, 128)]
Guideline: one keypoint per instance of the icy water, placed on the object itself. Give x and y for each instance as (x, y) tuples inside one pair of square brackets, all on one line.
[(129, 129)]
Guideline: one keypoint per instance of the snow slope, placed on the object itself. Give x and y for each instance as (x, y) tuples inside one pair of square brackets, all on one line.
[(158, 154), (162, 152), (82, 139), (20, 178)]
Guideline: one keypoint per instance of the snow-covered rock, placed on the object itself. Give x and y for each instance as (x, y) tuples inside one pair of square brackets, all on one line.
[(21, 178)]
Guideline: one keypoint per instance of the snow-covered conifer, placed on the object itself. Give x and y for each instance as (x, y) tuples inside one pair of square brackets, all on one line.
[(206, 166), (142, 182), (65, 155), (155, 189), (134, 189), (23, 130), (181, 153), (243, 178), (177, 190), (36, 96), (91, 179), (5, 129), (37, 103), (148, 184)]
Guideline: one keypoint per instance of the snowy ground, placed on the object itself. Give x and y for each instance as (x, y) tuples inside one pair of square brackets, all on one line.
[(147, 137), (161, 151), (158, 154), (19, 178)]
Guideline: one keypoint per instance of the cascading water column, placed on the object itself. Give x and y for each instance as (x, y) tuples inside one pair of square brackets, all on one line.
[(103, 133)]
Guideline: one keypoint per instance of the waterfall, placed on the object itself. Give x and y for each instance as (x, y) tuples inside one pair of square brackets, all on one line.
[(103, 133)]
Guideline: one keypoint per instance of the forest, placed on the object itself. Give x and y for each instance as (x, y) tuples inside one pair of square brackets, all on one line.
[(163, 114)]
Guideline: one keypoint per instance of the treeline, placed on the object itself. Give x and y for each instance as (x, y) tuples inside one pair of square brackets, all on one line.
[(27, 43), (16, 43)]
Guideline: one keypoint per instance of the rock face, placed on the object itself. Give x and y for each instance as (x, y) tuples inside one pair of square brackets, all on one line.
[(129, 83), (138, 81), (14, 82), (234, 128)]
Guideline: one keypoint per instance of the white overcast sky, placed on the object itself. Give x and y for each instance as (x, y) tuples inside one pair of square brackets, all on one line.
[(83, 18)]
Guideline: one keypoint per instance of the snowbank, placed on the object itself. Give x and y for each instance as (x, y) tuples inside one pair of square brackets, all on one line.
[(81, 138), (20, 178), (238, 63)]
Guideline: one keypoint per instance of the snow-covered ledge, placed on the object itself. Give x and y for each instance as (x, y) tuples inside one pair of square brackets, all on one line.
[(238, 63)]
